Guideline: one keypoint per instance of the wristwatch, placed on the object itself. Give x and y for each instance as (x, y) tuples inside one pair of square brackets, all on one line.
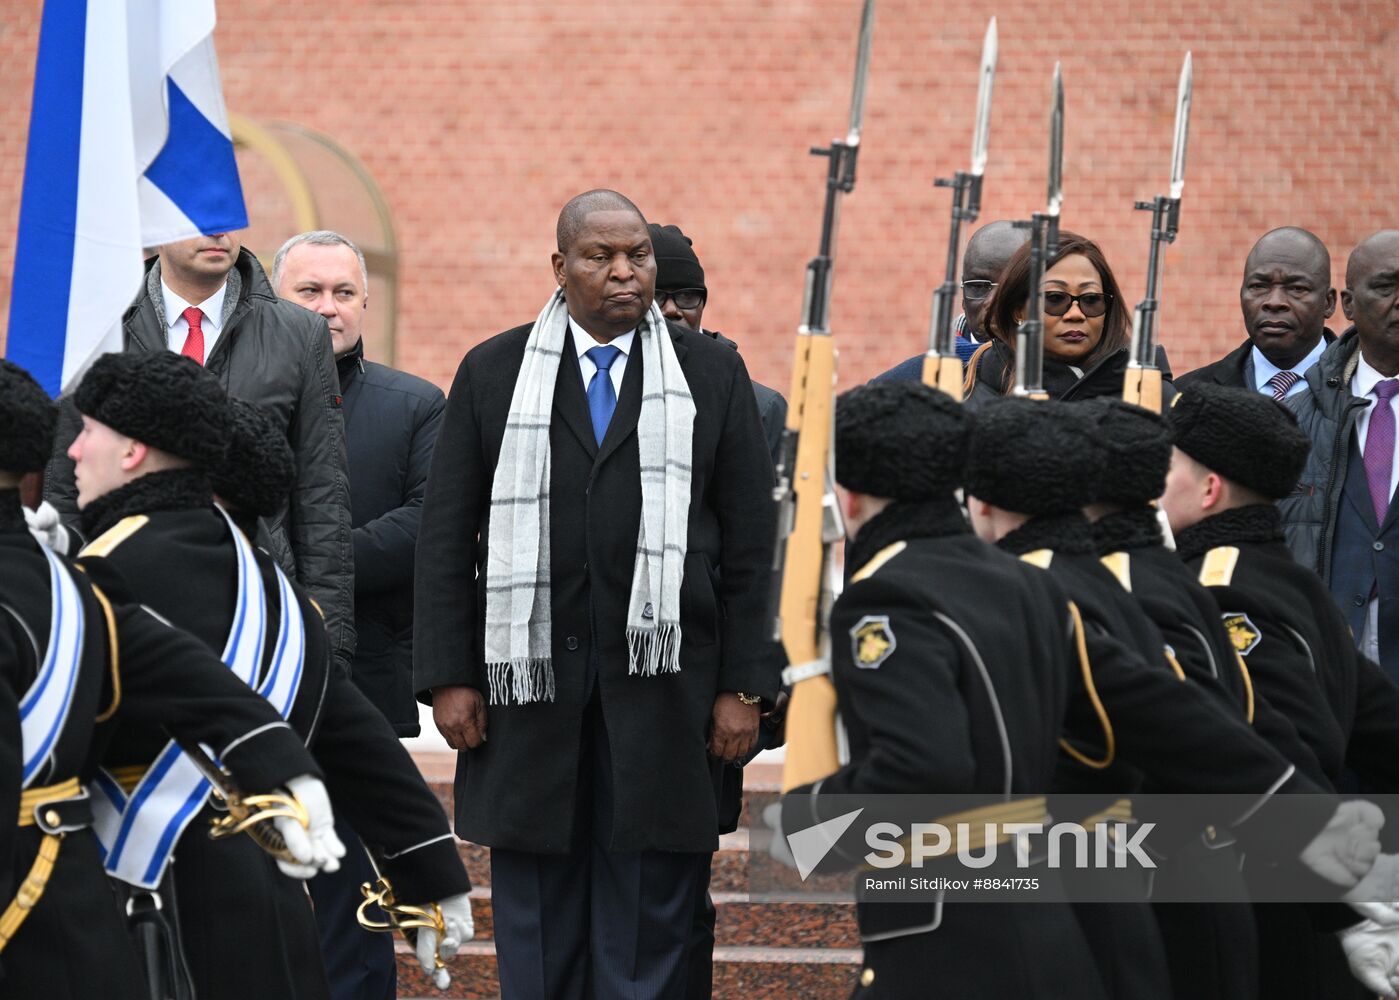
[(748, 699)]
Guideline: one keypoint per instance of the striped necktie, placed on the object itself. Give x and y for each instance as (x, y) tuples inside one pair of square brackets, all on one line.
[(1281, 383)]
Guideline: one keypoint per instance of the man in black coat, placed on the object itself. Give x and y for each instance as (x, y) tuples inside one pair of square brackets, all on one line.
[(1236, 453), (588, 773), (130, 673), (682, 295), (270, 352), (143, 465), (1286, 298), (391, 420)]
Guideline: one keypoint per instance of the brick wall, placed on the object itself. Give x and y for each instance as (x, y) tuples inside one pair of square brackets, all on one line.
[(480, 119)]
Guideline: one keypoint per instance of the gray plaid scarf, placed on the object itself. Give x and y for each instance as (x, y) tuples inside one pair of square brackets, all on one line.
[(519, 663)]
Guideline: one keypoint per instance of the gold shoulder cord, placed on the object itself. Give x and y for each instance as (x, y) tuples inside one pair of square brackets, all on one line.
[(1175, 664), (1109, 740), (31, 890), (1248, 685), (115, 650)]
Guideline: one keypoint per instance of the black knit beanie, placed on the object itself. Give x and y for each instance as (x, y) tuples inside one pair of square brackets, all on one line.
[(677, 265)]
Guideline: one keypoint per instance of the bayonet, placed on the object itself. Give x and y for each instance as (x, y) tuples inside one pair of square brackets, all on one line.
[(941, 366), (1142, 381), (808, 516), (1044, 243)]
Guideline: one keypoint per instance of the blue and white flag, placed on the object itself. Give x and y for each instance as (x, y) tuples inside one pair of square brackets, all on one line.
[(129, 148)]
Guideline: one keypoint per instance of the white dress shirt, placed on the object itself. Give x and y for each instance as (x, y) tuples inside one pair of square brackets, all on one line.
[(177, 327), (583, 342), (1263, 369)]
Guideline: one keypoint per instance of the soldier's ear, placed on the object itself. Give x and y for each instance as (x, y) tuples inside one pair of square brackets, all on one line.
[(1213, 490)]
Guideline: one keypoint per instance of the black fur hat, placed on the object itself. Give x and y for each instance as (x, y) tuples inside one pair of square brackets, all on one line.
[(163, 400), (259, 470), (27, 419), (900, 440), (1034, 457), (1138, 446), (1247, 437)]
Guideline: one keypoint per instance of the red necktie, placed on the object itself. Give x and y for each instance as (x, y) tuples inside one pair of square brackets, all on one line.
[(194, 343)]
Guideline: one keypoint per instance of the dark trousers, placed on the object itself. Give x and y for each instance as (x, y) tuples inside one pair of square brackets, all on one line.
[(359, 964), (700, 984), (594, 923)]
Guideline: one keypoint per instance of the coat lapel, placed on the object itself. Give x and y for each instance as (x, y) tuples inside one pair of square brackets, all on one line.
[(569, 400)]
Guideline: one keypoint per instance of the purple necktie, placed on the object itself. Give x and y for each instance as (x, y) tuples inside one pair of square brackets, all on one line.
[(1282, 383), (1379, 447)]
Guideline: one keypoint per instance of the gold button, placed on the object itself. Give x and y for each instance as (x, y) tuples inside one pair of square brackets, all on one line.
[(867, 977), (52, 818)]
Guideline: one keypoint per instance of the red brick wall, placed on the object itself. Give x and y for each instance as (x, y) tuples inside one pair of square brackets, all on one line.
[(480, 119)]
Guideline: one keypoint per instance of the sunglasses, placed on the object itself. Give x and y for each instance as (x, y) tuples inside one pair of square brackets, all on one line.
[(684, 298), (1093, 304), (975, 291)]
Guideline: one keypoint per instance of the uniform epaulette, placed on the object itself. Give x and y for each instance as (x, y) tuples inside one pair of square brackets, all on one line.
[(880, 558), (1218, 568), (1039, 557), (1120, 563), (104, 544)]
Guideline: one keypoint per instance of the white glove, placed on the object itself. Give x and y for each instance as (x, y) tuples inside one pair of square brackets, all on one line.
[(1374, 895), (778, 847), (1373, 954), (456, 914), (316, 847), (1346, 849), (45, 527)]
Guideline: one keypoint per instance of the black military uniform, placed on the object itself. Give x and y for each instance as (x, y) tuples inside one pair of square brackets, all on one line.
[(1045, 459), (161, 536), (1295, 642), (135, 674), (939, 697)]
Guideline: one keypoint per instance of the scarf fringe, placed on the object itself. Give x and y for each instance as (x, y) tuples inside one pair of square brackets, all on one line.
[(653, 651), (523, 680)]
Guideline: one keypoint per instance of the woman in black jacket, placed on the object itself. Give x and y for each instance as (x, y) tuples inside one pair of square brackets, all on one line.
[(1087, 326)]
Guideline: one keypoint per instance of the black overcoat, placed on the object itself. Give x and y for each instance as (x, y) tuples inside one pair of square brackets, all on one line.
[(517, 790)]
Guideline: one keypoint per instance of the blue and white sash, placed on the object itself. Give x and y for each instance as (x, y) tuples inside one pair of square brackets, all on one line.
[(139, 832), (44, 709)]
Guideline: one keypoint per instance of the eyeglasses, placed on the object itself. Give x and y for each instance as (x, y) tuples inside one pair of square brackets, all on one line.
[(975, 291), (1093, 304), (684, 298)]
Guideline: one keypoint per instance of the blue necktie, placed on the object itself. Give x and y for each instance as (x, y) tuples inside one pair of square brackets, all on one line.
[(602, 398)]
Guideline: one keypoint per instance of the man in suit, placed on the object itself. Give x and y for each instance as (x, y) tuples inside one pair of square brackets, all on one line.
[(1286, 298), (988, 251), (591, 577), (1340, 519)]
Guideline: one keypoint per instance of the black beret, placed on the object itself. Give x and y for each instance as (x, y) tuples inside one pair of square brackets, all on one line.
[(162, 399), (677, 266), (900, 440), (259, 469), (1247, 437), (1138, 446), (1034, 457), (27, 419)]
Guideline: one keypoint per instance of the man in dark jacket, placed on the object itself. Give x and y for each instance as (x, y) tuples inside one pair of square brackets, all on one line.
[(682, 295), (391, 421), (549, 579), (269, 352), (1340, 520), (988, 250), (1286, 298)]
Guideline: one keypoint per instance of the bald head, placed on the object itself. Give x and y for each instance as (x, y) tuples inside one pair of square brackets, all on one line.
[(1286, 295), (579, 207), (988, 251), (1371, 299)]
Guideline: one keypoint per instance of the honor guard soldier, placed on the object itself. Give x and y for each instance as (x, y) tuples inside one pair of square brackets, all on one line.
[(1236, 453), (78, 664), (154, 425), (1032, 468), (938, 696)]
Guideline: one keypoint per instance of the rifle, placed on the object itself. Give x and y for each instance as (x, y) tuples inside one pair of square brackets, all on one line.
[(1044, 242), (808, 522), (942, 369), (1142, 382)]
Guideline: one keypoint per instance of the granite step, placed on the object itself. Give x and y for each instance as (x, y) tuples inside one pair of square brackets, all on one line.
[(740, 973)]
